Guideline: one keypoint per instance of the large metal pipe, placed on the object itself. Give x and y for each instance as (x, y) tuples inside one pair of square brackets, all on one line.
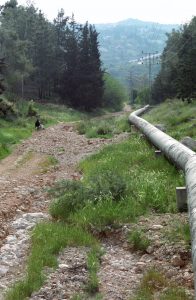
[(183, 158)]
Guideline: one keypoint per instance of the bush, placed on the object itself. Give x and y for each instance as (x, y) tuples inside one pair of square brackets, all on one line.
[(109, 183), (7, 108), (81, 127), (114, 93), (104, 129), (4, 151), (31, 110), (73, 196), (138, 240)]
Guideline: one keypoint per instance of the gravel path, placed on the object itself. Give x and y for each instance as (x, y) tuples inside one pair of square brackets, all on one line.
[(24, 175)]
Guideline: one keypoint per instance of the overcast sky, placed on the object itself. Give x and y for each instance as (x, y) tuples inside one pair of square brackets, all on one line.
[(107, 11)]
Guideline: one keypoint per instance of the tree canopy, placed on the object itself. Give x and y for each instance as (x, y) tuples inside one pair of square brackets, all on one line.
[(47, 59), (177, 76)]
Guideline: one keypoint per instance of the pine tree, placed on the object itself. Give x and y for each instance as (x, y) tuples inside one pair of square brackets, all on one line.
[(2, 65), (90, 75), (186, 81)]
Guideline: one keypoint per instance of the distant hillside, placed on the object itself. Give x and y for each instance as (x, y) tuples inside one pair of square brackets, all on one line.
[(124, 41)]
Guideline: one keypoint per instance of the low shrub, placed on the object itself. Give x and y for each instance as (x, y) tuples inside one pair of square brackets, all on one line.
[(138, 240), (75, 195), (108, 183), (4, 151), (31, 110), (7, 109), (71, 198), (81, 127), (104, 128), (154, 284)]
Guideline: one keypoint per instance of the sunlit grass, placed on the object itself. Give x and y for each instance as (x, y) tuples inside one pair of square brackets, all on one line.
[(178, 117), (119, 184)]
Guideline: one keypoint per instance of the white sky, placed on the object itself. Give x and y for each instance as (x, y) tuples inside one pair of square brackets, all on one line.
[(107, 11)]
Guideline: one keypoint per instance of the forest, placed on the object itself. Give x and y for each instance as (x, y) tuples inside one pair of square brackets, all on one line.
[(177, 77), (57, 61)]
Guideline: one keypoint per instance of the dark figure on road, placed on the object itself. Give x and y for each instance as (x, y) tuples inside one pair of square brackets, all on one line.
[(37, 124)]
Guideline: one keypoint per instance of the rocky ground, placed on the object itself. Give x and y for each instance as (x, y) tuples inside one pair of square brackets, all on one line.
[(24, 176)]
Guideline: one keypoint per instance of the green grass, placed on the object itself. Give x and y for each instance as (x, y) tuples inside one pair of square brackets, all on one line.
[(154, 285), (179, 232), (47, 163), (12, 133), (119, 184), (138, 240), (104, 128), (47, 241), (93, 264), (178, 117)]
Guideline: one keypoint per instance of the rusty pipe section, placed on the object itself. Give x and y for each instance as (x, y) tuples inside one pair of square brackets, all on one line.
[(183, 158)]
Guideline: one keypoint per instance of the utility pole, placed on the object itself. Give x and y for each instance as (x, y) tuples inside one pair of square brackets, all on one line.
[(150, 58)]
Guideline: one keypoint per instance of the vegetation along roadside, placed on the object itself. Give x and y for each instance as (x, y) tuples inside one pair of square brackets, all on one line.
[(120, 183)]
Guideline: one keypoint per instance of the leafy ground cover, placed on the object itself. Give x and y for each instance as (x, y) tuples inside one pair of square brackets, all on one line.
[(178, 117)]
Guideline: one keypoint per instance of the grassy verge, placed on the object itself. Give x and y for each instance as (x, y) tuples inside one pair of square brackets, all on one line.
[(47, 241), (178, 117), (119, 184), (104, 128)]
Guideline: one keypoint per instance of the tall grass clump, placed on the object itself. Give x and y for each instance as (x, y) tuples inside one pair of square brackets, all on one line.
[(4, 151), (179, 231), (138, 240), (93, 264), (155, 285)]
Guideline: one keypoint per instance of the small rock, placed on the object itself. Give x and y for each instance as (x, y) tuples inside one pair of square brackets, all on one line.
[(171, 273), (140, 267), (156, 227), (63, 266), (3, 270), (176, 261), (150, 250)]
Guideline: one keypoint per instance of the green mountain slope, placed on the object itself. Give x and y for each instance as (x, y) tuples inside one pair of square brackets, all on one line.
[(122, 43)]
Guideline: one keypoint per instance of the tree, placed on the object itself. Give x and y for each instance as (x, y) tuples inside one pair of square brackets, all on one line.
[(90, 75), (186, 81), (114, 93), (13, 48), (47, 58), (2, 65), (178, 69)]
